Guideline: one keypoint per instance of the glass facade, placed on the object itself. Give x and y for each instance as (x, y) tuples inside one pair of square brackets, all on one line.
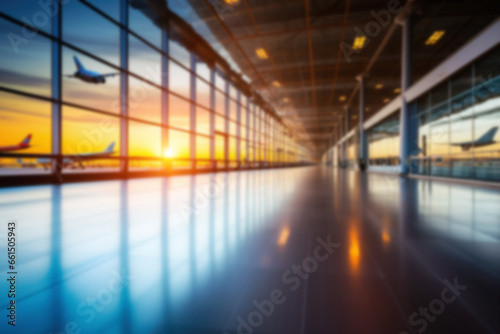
[(454, 128), (457, 124), (144, 105), (383, 142)]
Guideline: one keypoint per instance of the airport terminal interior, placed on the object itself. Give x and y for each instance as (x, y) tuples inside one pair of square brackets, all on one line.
[(250, 166)]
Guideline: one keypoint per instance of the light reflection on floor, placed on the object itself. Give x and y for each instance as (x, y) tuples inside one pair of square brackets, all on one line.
[(190, 254)]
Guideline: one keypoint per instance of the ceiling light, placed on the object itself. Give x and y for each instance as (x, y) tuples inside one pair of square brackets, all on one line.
[(359, 42), (261, 53), (276, 83), (286, 99), (386, 100), (342, 98), (435, 37), (379, 86), (397, 90), (232, 2)]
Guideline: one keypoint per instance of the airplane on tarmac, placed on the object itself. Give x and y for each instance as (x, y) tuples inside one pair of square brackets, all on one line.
[(70, 162), (25, 143), (484, 140), (88, 76)]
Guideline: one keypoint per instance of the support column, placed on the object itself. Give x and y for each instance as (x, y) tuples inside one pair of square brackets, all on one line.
[(124, 86), (405, 116), (347, 115), (362, 161), (164, 93), (192, 123), (212, 119), (238, 126), (56, 93), (254, 136), (226, 126), (247, 124)]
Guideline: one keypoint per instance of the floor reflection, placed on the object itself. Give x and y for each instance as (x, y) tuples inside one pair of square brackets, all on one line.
[(193, 254)]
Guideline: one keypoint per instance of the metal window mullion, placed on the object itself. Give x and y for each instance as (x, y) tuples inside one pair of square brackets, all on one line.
[(212, 118), (164, 92), (56, 92), (226, 124), (192, 123), (124, 86), (248, 130), (238, 126)]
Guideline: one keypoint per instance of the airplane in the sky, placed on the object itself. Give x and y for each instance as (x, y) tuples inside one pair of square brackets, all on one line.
[(71, 162), (89, 76), (484, 140), (21, 146)]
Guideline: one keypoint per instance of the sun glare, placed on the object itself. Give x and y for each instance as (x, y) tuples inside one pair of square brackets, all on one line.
[(168, 153)]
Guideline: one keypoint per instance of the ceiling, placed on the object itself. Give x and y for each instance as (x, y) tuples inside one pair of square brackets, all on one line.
[(306, 76)]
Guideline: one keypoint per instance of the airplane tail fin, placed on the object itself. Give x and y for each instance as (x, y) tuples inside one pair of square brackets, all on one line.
[(26, 140), (488, 136), (78, 64), (110, 148)]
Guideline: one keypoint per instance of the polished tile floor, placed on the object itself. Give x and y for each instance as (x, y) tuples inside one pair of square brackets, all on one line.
[(304, 250)]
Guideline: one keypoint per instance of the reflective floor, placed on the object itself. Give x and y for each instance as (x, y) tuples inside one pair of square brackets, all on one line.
[(304, 250)]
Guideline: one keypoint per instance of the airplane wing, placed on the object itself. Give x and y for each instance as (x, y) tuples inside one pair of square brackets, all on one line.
[(69, 76), (109, 74)]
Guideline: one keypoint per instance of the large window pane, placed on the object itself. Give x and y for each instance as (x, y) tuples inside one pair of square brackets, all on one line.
[(144, 140), (144, 61), (19, 118), (202, 93), (383, 142), (110, 7), (144, 26), (144, 101), (179, 80), (179, 53), (179, 112), (179, 144), (90, 31), (202, 121), (85, 133), (24, 66), (101, 96), (30, 11)]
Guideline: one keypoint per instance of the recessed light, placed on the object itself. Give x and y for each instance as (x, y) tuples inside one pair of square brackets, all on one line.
[(359, 42), (386, 100), (379, 86), (397, 90), (261, 53), (286, 99), (435, 37), (342, 98), (276, 83), (232, 2)]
